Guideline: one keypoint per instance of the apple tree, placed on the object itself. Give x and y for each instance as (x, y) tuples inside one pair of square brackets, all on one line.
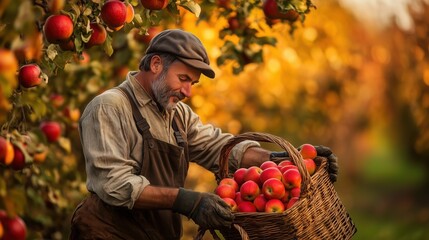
[(55, 55)]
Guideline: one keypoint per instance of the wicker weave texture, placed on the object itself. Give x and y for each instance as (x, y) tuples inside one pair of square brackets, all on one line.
[(319, 214)]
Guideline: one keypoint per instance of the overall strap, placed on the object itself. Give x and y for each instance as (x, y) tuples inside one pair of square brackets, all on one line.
[(177, 135), (142, 125)]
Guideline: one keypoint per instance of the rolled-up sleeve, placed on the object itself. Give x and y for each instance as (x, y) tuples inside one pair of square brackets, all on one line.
[(206, 141), (111, 173)]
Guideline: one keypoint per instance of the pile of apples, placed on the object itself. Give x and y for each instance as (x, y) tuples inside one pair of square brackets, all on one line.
[(270, 187)]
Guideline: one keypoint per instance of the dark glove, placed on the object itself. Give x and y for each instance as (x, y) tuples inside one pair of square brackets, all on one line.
[(332, 161), (323, 152), (207, 210)]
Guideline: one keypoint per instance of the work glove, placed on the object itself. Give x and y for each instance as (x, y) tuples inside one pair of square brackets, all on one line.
[(323, 152), (207, 210)]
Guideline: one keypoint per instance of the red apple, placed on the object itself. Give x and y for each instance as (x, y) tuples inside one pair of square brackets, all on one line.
[(98, 35), (30, 75), (231, 182), (58, 28), (130, 13), (285, 163), (271, 172), (238, 199), (274, 206), (253, 173), (249, 190), (154, 4), (14, 228), (225, 191), (273, 188), (268, 164), (231, 202), (272, 11), (260, 202), (18, 162), (291, 202), (310, 165), (287, 167), (295, 192), (292, 178), (239, 175), (67, 45), (3, 149), (57, 100), (308, 151), (286, 197), (114, 13), (51, 129), (145, 38), (246, 206)]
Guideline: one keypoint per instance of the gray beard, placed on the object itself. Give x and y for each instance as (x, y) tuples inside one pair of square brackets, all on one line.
[(163, 93)]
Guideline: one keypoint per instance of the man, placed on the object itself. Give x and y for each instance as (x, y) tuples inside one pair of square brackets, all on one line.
[(138, 140)]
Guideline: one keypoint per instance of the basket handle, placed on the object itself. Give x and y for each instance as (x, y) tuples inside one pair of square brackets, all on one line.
[(295, 156), (241, 231)]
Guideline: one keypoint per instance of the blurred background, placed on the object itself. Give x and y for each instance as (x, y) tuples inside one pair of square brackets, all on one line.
[(352, 75)]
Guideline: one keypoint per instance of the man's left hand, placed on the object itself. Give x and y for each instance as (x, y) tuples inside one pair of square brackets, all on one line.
[(332, 161)]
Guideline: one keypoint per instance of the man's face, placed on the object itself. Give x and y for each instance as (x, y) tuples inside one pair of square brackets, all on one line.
[(174, 84)]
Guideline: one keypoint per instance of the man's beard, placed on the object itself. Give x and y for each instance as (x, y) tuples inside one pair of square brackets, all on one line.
[(163, 93)]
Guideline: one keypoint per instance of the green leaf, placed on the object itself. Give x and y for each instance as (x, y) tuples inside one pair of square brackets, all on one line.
[(51, 51), (108, 46), (193, 7)]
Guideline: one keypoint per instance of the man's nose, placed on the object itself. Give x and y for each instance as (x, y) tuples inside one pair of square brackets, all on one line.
[(186, 89)]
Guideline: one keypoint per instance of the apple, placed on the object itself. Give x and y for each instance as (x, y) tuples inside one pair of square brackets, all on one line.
[(98, 35), (238, 199), (292, 178), (58, 28), (72, 113), (14, 228), (231, 202), (231, 182), (246, 206), (274, 206), (18, 162), (287, 167), (253, 173), (154, 4), (295, 192), (30, 75), (291, 202), (286, 197), (7, 154), (271, 172), (249, 190), (260, 202), (310, 165), (268, 164), (67, 45), (56, 5), (273, 188), (225, 191), (308, 151), (130, 13), (272, 11), (146, 38), (285, 163), (114, 13), (239, 175), (56, 99), (51, 129)]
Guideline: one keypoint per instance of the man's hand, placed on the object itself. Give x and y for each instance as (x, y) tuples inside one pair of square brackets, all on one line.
[(323, 152), (207, 210), (332, 161)]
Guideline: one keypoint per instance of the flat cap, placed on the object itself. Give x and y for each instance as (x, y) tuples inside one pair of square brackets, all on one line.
[(185, 46)]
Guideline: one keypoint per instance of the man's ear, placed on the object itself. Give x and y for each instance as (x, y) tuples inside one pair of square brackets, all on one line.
[(156, 64)]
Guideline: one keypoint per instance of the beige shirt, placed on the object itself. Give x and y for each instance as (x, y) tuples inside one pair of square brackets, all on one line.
[(113, 147)]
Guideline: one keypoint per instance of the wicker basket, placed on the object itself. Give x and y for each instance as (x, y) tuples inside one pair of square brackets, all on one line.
[(319, 214)]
